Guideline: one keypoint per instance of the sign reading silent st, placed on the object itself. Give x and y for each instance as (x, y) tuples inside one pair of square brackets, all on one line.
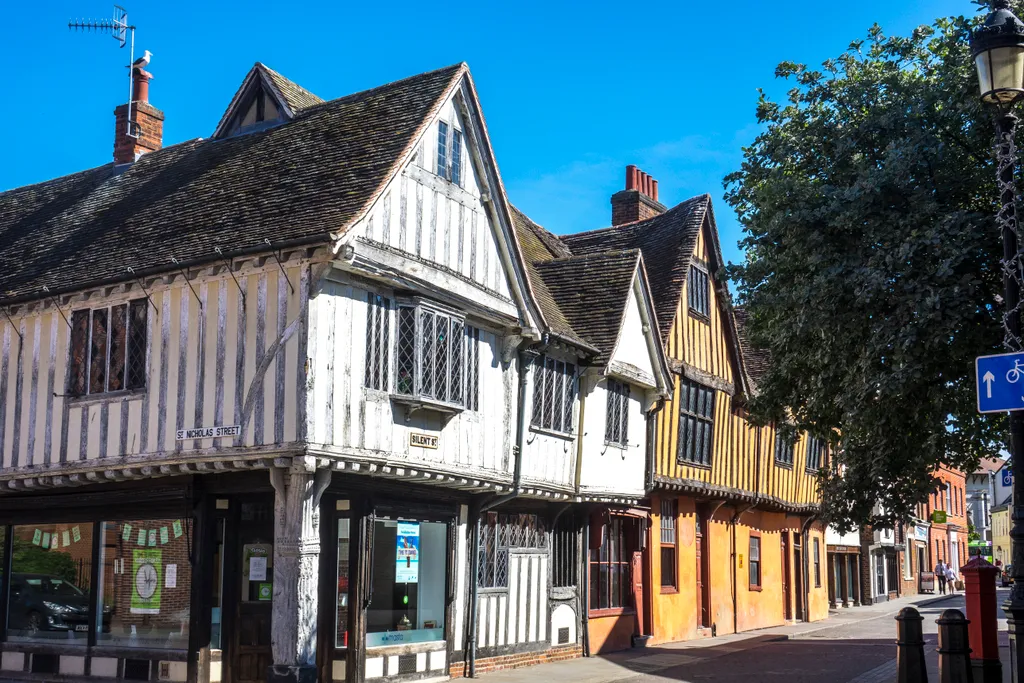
[(1000, 381)]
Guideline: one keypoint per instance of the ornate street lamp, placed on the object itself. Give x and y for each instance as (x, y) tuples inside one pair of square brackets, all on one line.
[(998, 50)]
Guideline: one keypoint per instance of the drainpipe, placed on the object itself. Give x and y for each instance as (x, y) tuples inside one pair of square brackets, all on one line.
[(579, 436), (585, 589), (500, 500), (804, 529)]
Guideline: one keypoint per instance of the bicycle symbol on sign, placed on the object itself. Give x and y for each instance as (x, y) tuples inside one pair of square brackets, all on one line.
[(1014, 373)]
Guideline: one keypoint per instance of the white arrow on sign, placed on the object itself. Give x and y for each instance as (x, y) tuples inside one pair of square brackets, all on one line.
[(988, 378)]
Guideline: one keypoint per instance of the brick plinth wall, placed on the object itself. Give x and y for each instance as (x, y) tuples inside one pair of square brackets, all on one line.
[(519, 660)]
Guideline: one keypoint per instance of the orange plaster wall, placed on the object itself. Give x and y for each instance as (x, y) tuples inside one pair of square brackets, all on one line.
[(611, 634), (675, 613), (764, 608)]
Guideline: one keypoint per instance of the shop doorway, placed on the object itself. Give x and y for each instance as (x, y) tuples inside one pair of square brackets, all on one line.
[(787, 599), (252, 586), (798, 575)]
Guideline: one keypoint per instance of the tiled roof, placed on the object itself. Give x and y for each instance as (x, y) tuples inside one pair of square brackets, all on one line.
[(754, 359), (592, 292), (295, 96), (666, 241), (294, 183), (986, 465)]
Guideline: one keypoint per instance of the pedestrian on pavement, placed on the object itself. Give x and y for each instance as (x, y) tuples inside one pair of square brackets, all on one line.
[(951, 579), (940, 576)]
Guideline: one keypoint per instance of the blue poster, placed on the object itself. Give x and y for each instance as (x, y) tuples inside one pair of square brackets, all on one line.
[(407, 553)]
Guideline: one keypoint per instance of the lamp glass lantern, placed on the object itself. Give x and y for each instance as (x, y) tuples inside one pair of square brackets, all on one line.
[(998, 50)]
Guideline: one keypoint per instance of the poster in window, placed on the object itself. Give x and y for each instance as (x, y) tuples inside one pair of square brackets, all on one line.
[(257, 558), (407, 552), (147, 570)]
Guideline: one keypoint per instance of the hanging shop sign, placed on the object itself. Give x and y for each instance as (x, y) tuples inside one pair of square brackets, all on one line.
[(147, 570), (407, 552), (209, 432), (921, 532), (939, 516), (423, 440)]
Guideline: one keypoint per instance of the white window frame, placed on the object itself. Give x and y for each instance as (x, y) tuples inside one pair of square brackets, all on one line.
[(452, 158)]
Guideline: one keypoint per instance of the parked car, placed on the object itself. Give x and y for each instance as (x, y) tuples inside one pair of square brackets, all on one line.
[(40, 602), (1005, 576)]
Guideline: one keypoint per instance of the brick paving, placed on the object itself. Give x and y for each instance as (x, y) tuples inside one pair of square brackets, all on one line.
[(853, 646)]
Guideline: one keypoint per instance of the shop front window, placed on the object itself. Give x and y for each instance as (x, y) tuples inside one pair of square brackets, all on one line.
[(341, 604), (610, 580), (409, 561), (145, 583), (51, 571)]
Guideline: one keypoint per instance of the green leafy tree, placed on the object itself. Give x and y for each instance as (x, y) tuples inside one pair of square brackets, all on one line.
[(872, 263), (32, 559)]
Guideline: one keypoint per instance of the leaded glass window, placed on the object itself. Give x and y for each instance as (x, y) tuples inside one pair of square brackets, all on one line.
[(456, 169), (698, 288), (108, 349), (498, 534), (554, 393), (616, 425), (696, 422), (783, 450), (378, 341), (449, 152), (442, 149), (815, 454), (431, 355), (472, 368)]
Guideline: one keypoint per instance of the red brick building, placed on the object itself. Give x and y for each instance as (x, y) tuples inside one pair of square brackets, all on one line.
[(947, 511)]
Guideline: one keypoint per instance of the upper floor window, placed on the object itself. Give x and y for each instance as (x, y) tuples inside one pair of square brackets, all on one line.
[(430, 360), (378, 341), (616, 425), (554, 391), (698, 288), (816, 451), (783, 450), (449, 152), (108, 349), (696, 422)]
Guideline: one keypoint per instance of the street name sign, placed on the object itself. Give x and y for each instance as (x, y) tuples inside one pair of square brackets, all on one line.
[(1000, 381)]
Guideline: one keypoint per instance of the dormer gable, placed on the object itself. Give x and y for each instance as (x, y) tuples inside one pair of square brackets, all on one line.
[(265, 99)]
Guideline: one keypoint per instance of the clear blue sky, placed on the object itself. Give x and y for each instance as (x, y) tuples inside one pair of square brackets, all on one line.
[(572, 92)]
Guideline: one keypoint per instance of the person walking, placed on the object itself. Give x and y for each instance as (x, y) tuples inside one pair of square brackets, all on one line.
[(940, 576), (951, 579)]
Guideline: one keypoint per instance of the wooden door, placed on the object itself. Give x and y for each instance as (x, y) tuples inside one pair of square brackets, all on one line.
[(637, 573), (699, 546), (787, 601), (251, 655), (798, 577)]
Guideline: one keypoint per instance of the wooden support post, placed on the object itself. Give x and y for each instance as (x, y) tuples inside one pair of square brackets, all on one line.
[(954, 650), (983, 616), (910, 667), (298, 489)]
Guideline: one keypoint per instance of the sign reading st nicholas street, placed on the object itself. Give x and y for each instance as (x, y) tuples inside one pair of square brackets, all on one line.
[(208, 432)]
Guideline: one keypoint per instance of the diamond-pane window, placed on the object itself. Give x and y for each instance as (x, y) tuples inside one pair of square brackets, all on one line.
[(472, 368), (378, 341), (616, 426), (431, 355), (554, 394), (108, 349), (498, 534)]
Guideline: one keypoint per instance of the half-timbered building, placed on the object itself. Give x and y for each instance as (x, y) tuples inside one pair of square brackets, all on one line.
[(289, 403), (733, 542)]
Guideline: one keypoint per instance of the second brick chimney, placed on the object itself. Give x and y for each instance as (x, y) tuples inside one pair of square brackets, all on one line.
[(638, 201), (147, 130)]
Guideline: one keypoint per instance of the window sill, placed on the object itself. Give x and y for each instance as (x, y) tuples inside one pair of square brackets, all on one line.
[(568, 436), (417, 403), (105, 397), (611, 612), (669, 590), (616, 445), (690, 463), (698, 316), (784, 465), (755, 588)]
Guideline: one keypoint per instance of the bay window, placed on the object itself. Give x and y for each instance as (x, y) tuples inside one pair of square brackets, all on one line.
[(430, 358)]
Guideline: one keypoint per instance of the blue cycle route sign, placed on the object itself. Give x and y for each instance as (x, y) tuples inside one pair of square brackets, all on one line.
[(1000, 382)]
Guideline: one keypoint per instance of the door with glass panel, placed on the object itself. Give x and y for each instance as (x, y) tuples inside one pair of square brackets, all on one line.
[(251, 655)]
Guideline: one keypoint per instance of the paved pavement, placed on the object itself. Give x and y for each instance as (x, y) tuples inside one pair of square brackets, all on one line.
[(852, 646)]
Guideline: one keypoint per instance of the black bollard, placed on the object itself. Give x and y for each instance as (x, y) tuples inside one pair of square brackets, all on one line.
[(910, 666), (954, 650)]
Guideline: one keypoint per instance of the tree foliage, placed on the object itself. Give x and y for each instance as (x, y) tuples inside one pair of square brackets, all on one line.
[(872, 269)]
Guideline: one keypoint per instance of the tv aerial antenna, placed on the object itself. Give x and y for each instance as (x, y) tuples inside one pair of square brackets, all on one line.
[(119, 29)]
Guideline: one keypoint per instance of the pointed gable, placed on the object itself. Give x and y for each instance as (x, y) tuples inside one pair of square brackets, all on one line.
[(265, 98)]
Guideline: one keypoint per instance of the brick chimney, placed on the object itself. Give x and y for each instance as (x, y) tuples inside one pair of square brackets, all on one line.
[(147, 130), (638, 201)]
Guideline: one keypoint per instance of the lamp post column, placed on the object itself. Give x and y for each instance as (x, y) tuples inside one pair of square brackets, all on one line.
[(1006, 156)]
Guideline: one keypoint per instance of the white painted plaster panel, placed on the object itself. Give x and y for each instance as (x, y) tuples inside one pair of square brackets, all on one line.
[(610, 468), (632, 346), (12, 661), (71, 665)]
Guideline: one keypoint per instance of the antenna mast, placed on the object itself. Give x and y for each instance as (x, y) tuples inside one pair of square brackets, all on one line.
[(119, 29)]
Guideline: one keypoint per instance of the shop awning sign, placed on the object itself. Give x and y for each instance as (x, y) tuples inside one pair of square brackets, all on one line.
[(407, 552)]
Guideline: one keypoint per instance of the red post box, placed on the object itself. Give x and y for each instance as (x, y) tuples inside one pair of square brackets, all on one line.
[(982, 613)]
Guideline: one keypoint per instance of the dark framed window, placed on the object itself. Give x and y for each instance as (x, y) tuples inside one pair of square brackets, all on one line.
[(616, 425), (696, 423), (698, 288), (378, 341), (430, 357), (817, 563), (783, 450), (669, 544), (554, 392), (816, 454), (564, 551), (449, 152), (754, 561), (108, 349), (610, 581), (472, 368), (498, 534)]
